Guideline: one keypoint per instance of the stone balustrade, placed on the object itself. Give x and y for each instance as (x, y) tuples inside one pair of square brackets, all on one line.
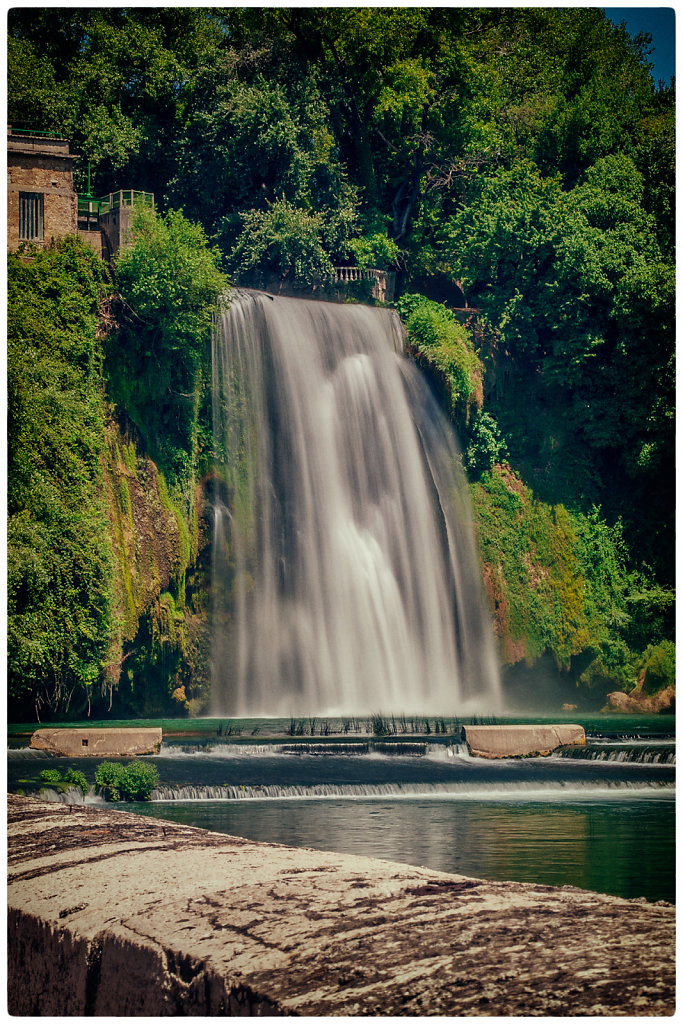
[(383, 280)]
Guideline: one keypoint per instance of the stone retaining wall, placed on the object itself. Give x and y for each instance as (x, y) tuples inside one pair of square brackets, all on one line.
[(98, 742), (116, 914), (494, 741)]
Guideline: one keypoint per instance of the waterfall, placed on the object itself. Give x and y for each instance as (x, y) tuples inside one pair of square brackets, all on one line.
[(345, 578)]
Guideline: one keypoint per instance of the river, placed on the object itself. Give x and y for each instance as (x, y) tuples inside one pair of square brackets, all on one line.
[(601, 818)]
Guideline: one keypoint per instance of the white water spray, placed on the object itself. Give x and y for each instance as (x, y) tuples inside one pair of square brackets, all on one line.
[(345, 578)]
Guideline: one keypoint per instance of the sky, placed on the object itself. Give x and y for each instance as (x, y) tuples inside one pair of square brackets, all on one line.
[(660, 23)]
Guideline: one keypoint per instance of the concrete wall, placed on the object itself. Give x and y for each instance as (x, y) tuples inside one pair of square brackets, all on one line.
[(93, 239), (114, 914), (520, 740), (98, 742)]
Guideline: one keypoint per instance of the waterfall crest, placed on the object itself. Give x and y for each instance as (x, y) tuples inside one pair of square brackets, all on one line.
[(345, 578)]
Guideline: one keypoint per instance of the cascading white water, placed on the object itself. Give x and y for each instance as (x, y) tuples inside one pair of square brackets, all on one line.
[(345, 578)]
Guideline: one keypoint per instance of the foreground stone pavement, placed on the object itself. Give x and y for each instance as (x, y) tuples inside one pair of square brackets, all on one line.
[(115, 914)]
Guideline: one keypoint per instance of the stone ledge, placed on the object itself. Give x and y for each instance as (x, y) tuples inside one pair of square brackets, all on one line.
[(520, 740), (98, 742), (115, 914)]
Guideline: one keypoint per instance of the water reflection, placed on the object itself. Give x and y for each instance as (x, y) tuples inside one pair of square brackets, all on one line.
[(619, 848)]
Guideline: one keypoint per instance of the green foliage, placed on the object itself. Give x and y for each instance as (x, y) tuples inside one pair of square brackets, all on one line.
[(132, 781), (59, 552), (376, 251), (558, 579), (659, 666), (75, 778), (282, 241), (485, 445), (579, 297), (560, 584), (170, 279), (436, 336), (108, 775), (52, 777), (113, 80)]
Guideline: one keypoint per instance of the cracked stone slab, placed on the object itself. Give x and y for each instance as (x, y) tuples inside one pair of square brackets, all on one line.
[(113, 914)]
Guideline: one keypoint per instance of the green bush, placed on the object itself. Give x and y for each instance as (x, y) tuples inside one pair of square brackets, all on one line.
[(139, 779), (76, 778), (376, 251), (107, 780), (51, 776), (485, 446), (284, 241), (436, 336), (134, 781), (659, 664)]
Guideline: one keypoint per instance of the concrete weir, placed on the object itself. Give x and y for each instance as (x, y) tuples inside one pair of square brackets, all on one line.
[(520, 740), (107, 742), (112, 914)]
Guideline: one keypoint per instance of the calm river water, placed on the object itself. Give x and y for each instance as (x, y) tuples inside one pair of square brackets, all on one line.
[(619, 846)]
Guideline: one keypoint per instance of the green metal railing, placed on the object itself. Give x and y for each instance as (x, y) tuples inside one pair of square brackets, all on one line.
[(32, 131), (91, 208)]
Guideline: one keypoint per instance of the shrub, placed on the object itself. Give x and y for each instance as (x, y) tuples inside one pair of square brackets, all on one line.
[(485, 446), (78, 779), (659, 665), (375, 251), (51, 776), (134, 781), (435, 336), (139, 779), (108, 780), (282, 240)]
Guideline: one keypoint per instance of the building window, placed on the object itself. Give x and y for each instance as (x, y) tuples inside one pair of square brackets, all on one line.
[(31, 216)]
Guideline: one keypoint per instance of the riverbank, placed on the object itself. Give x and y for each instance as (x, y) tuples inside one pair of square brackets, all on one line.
[(111, 914)]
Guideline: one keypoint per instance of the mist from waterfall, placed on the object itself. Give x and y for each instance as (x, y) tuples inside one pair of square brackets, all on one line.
[(345, 578)]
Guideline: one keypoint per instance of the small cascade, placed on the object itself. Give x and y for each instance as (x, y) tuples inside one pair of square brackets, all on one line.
[(72, 795), (399, 748), (393, 790), (326, 749), (632, 754), (27, 753), (218, 749)]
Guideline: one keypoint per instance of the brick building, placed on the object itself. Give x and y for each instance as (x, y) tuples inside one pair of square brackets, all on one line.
[(41, 202)]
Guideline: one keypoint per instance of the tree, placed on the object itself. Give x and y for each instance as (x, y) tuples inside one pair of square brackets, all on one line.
[(579, 297), (170, 280)]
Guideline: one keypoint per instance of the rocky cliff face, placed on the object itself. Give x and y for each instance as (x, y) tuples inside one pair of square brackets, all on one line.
[(637, 702), (159, 652)]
